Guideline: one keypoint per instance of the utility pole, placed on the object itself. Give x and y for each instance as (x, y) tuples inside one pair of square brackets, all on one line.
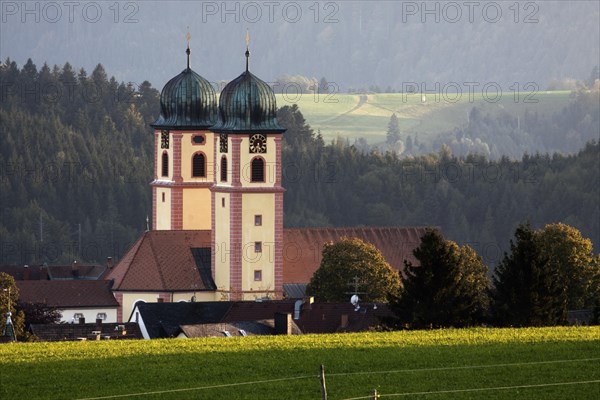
[(323, 386)]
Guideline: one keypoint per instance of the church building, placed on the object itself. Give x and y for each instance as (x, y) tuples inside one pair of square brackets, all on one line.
[(217, 203)]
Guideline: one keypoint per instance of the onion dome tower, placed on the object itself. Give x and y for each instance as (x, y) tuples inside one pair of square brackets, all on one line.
[(184, 152), (247, 195)]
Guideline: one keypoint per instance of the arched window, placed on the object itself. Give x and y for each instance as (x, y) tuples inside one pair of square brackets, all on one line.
[(223, 169), (199, 165), (165, 164), (258, 170)]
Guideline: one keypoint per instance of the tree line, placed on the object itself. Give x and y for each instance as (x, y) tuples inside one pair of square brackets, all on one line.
[(546, 273)]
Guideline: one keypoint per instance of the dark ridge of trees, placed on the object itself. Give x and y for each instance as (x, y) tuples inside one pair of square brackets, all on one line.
[(76, 156)]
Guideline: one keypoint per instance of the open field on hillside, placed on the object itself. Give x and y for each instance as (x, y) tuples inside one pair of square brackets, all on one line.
[(547, 363), (367, 115)]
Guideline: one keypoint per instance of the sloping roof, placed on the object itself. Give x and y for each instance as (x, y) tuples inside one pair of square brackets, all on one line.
[(176, 260), (314, 318), (255, 310), (163, 261), (251, 328), (20, 272), (163, 319), (167, 319), (67, 293), (84, 271), (54, 272), (329, 317), (294, 290), (303, 247), (61, 332)]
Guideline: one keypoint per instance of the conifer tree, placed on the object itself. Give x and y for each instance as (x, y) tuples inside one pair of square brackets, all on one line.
[(449, 287)]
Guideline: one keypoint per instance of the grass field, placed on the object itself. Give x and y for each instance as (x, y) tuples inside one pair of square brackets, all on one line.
[(548, 363), (353, 115)]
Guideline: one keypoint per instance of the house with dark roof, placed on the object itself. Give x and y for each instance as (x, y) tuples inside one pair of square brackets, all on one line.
[(217, 205), (77, 300), (241, 318)]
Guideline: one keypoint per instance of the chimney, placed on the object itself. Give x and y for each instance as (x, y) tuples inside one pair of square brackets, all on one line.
[(283, 323), (344, 321), (98, 324), (109, 263), (26, 272), (160, 300), (82, 320), (75, 269)]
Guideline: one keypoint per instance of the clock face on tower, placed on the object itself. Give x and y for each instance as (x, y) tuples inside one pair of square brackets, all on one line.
[(164, 139), (223, 143), (258, 143)]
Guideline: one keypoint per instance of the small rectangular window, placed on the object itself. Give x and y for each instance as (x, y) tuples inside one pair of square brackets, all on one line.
[(258, 275), (258, 247), (222, 201), (258, 220), (163, 197)]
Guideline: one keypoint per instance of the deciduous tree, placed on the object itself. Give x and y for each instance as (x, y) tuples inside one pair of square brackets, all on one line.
[(349, 258)]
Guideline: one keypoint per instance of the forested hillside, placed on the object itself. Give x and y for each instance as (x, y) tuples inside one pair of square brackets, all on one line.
[(75, 159), (473, 200), (75, 153)]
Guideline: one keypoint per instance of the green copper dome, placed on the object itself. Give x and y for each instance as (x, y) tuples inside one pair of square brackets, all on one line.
[(247, 104), (187, 101)]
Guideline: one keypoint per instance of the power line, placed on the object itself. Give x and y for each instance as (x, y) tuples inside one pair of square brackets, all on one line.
[(462, 367), (116, 396), (478, 389)]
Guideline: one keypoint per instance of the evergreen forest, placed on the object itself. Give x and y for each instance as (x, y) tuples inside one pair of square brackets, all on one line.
[(76, 154)]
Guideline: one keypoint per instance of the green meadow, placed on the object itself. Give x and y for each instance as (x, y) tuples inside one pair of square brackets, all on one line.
[(530, 363), (354, 115)]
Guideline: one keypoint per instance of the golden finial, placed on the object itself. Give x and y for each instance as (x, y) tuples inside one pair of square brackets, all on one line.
[(247, 50), (188, 37)]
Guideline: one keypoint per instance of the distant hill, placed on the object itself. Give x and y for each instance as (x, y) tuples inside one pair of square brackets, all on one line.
[(444, 118)]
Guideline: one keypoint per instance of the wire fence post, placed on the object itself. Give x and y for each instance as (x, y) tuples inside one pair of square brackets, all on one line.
[(323, 386), (374, 395)]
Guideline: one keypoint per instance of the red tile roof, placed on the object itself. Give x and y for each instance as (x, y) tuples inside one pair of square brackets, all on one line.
[(161, 261), (67, 293), (68, 332), (303, 247), (52, 272)]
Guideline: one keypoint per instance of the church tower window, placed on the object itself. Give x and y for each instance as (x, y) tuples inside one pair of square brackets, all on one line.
[(199, 165), (224, 169), (258, 170), (165, 164)]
